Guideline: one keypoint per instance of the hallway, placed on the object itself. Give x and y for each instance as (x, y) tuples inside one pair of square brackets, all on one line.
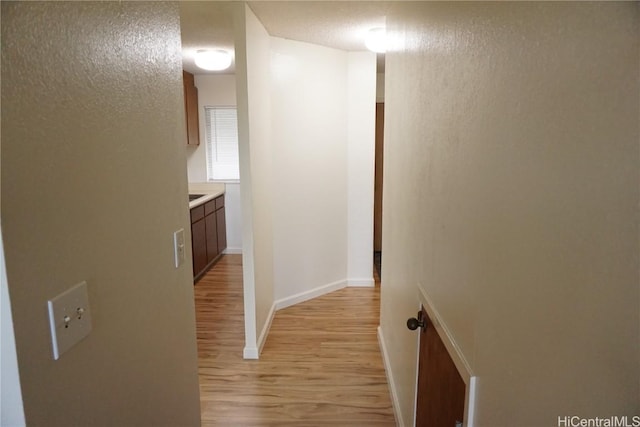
[(321, 364)]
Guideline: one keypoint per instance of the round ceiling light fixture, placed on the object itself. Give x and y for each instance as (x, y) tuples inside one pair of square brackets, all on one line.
[(213, 60), (376, 40)]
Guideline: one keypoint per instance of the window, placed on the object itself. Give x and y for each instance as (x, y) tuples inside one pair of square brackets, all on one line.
[(223, 161)]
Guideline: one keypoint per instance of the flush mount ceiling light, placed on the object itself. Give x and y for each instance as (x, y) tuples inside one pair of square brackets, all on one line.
[(213, 60), (376, 40)]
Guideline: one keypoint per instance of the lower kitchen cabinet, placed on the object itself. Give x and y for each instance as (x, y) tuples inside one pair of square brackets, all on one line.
[(208, 235), (221, 225), (212, 236), (198, 238), (199, 243)]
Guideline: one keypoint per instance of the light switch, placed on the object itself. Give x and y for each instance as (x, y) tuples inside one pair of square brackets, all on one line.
[(69, 318), (178, 247)]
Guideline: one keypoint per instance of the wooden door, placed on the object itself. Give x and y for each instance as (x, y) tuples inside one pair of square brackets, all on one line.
[(377, 189), (440, 398)]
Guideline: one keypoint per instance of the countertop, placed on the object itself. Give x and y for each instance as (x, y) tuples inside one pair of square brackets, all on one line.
[(209, 190)]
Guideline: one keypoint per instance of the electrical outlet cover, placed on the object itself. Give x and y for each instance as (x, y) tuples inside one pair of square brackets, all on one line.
[(69, 318), (178, 247)]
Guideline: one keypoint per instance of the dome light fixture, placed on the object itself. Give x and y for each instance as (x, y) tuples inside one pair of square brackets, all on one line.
[(213, 59), (376, 40)]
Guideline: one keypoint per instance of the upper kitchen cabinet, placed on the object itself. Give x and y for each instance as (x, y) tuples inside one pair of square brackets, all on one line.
[(191, 108)]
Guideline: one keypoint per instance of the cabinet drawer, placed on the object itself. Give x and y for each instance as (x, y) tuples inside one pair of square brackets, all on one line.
[(197, 213), (219, 202), (209, 207)]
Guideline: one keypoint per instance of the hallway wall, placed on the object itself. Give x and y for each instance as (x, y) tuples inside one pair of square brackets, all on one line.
[(511, 199), (94, 184), (361, 138), (256, 174), (11, 408), (306, 116), (309, 87), (323, 122)]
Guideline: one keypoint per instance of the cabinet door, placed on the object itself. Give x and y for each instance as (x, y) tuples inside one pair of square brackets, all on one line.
[(212, 236), (199, 246), (191, 109), (193, 133), (222, 230)]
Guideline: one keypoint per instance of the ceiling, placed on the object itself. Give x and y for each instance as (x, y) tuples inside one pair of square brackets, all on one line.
[(336, 24), (205, 24)]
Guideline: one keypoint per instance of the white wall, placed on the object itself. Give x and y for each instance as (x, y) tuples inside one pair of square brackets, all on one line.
[(216, 91), (11, 409), (213, 91), (307, 143), (233, 212), (511, 199), (94, 184), (310, 140), (361, 126), (256, 176), (258, 71), (323, 124)]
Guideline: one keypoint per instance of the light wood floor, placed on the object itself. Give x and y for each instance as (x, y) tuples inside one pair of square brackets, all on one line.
[(320, 366)]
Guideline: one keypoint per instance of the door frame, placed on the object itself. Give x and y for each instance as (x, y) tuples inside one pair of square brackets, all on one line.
[(470, 380)]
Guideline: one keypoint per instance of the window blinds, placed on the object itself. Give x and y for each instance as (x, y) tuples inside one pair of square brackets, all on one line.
[(222, 143)]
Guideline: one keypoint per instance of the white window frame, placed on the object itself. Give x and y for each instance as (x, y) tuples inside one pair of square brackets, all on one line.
[(212, 149)]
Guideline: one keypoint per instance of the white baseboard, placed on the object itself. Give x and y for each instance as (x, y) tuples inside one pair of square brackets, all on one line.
[(250, 353), (390, 381), (362, 283), (310, 294), (265, 329), (254, 352), (232, 251)]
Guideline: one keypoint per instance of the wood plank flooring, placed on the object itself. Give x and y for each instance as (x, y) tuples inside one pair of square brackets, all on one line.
[(320, 366)]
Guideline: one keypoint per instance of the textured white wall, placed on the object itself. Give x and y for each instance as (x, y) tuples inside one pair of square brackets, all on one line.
[(309, 128), (361, 126), (94, 184), (511, 198)]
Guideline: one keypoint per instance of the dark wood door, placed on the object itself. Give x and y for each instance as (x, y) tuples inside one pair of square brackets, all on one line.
[(440, 399), (377, 188)]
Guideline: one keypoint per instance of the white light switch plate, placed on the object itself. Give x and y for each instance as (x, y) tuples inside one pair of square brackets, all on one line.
[(69, 318), (178, 247)]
